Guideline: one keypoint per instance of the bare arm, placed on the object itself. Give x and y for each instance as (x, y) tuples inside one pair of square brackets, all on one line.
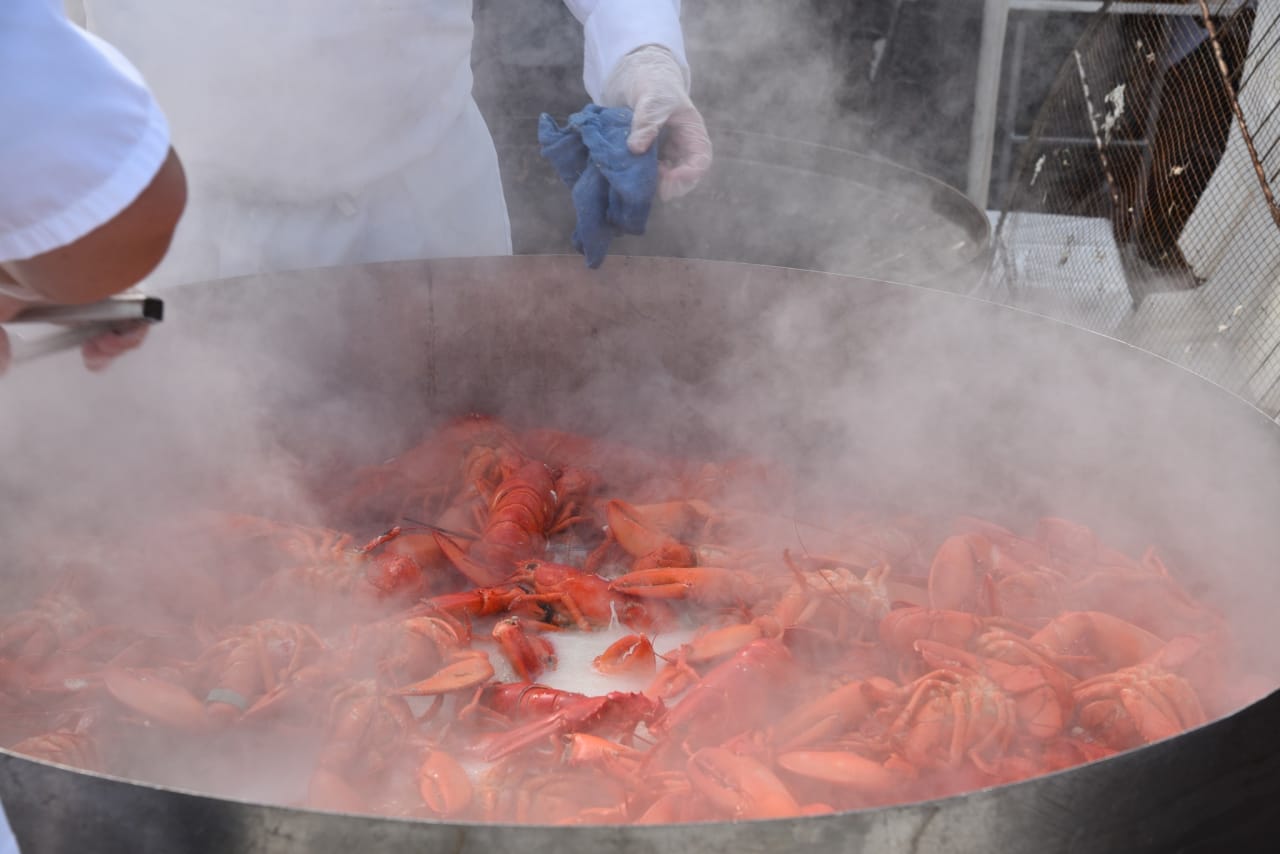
[(114, 256)]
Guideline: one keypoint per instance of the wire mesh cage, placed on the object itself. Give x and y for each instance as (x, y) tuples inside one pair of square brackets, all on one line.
[(1142, 204)]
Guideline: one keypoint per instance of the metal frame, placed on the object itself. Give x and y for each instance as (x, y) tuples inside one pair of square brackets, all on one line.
[(995, 19)]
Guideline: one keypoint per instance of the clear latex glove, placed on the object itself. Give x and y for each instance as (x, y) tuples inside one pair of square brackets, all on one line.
[(98, 352), (651, 82)]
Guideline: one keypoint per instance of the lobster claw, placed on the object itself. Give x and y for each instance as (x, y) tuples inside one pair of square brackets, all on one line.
[(842, 768), (838, 711), (617, 710), (1068, 540), (708, 585), (730, 639), (658, 583), (729, 691), (637, 534), (902, 627), (444, 784), (587, 749), (327, 790), (741, 786), (469, 670), (957, 572), (632, 654), (156, 698), (480, 574), (1101, 642), (667, 808), (393, 573), (529, 655)]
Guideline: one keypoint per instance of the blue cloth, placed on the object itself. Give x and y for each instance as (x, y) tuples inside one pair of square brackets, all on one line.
[(612, 188)]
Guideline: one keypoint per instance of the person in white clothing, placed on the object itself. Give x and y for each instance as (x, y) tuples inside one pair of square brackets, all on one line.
[(332, 132), (313, 132), (90, 189)]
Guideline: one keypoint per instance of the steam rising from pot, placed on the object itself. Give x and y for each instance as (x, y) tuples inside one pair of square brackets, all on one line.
[(876, 396)]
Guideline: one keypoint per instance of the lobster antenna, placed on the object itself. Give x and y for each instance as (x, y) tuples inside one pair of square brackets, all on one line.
[(418, 525)]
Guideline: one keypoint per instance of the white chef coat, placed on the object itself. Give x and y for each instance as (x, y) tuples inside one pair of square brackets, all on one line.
[(313, 132), (81, 139), (325, 132), (81, 136)]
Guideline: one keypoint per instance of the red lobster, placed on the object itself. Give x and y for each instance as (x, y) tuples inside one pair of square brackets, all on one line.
[(523, 511), (560, 713)]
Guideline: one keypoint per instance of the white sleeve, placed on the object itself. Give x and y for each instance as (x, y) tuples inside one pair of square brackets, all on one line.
[(614, 28), (81, 137), (8, 845)]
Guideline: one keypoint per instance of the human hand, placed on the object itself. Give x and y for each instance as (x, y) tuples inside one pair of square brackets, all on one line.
[(101, 350), (651, 82), (98, 352)]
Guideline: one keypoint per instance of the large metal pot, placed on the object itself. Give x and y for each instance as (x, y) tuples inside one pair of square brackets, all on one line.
[(874, 392), (772, 200)]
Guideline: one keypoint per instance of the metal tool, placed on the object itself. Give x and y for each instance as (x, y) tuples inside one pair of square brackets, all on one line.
[(83, 322)]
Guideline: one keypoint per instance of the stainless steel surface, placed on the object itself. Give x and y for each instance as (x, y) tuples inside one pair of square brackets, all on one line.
[(772, 200), (117, 309), (871, 391), (119, 313), (995, 19), (26, 350), (982, 131)]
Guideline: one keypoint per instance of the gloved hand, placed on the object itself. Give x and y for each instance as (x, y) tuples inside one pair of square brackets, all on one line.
[(97, 352), (652, 84)]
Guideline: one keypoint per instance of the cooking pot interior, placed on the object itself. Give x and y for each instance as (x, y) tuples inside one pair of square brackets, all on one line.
[(875, 396)]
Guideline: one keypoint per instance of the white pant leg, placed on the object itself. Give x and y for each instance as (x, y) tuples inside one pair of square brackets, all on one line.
[(8, 845)]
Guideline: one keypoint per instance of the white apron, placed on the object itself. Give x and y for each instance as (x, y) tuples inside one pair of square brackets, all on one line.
[(316, 132)]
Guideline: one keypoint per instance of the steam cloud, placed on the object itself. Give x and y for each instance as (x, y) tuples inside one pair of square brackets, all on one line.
[(877, 396)]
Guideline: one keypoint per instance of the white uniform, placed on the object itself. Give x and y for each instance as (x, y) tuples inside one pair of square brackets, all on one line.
[(81, 139), (81, 136), (325, 132), (313, 132)]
